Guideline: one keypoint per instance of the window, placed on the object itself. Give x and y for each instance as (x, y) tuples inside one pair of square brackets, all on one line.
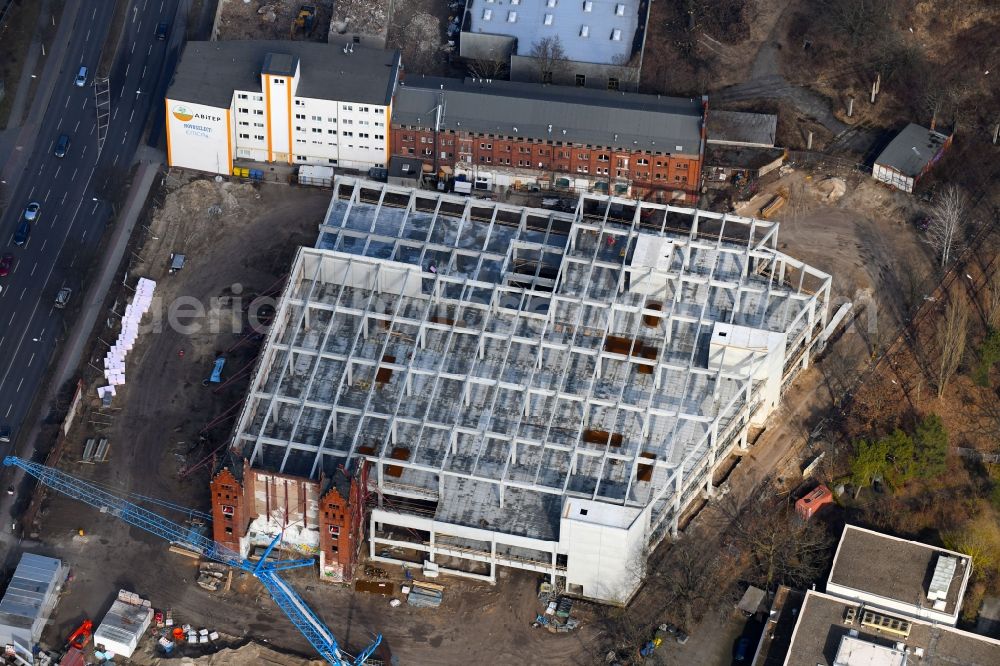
[(259, 137), (601, 157), (242, 96), (380, 111), (299, 128), (332, 161), (512, 17), (334, 531), (317, 130), (228, 510), (299, 102), (317, 119), (548, 19), (550, 3), (428, 151), (486, 146), (380, 136), (347, 133), (300, 158), (258, 124), (258, 98), (300, 116), (331, 120), (242, 110), (642, 161), (582, 169), (682, 166), (363, 109), (619, 10), (588, 6), (487, 14), (348, 107), (616, 35), (258, 112), (585, 31), (279, 82), (363, 135), (581, 79), (245, 123), (244, 136), (612, 83), (300, 141), (331, 131)]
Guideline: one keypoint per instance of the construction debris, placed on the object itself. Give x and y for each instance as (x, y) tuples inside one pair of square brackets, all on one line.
[(425, 595)]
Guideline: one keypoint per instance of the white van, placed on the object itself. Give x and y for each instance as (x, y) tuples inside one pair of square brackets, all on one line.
[(81, 77)]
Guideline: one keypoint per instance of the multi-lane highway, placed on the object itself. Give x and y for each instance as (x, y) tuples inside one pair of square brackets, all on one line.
[(76, 191)]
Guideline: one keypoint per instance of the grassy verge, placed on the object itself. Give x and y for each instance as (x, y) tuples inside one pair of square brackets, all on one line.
[(113, 38), (15, 37)]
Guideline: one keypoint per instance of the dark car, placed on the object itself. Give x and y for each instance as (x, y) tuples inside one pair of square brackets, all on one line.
[(161, 31), (6, 264), (62, 145), (22, 233)]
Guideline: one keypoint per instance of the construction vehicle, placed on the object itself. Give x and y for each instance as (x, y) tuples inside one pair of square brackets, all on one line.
[(265, 569), (79, 638), (304, 20)]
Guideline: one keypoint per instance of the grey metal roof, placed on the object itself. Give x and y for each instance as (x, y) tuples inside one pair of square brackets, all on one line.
[(209, 72), (280, 64), (526, 20), (558, 113), (25, 599), (741, 129), (912, 150)]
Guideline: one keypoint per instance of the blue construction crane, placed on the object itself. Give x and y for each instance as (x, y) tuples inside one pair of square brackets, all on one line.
[(304, 619)]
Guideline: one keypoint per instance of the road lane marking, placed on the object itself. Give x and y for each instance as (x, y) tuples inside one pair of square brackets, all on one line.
[(33, 268), (143, 75), (65, 194), (91, 131), (77, 126), (150, 49), (66, 106), (88, 35), (58, 169), (11, 318), (84, 103), (133, 47), (47, 195), (31, 359), (127, 66), (1, 342), (115, 161), (161, 6), (59, 126), (84, 150), (93, 15), (135, 12), (95, 210), (18, 390), (73, 177), (8, 410), (115, 115), (130, 116), (22, 294), (43, 244), (31, 192), (144, 5), (84, 236), (124, 136)]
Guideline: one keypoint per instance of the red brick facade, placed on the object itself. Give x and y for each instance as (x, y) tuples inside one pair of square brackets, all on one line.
[(644, 171), (337, 518)]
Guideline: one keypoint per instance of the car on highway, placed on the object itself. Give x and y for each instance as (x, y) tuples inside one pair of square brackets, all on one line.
[(81, 77), (161, 31), (4, 432), (62, 145), (22, 233), (31, 211), (6, 265)]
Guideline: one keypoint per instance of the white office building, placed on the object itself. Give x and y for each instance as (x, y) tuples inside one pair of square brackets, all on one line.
[(243, 102)]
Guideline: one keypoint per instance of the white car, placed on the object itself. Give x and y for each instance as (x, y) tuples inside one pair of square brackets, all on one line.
[(81, 77)]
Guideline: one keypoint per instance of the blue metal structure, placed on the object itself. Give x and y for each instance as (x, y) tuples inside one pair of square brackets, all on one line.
[(304, 619), (217, 370)]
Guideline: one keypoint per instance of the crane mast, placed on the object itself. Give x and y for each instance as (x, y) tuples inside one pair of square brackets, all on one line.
[(303, 617)]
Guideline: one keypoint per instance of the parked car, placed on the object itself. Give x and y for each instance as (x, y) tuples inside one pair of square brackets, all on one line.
[(4, 432), (81, 77), (62, 145), (22, 233), (31, 211), (161, 31), (62, 298), (6, 265)]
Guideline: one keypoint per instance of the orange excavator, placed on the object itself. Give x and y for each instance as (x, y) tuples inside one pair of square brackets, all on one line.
[(79, 638)]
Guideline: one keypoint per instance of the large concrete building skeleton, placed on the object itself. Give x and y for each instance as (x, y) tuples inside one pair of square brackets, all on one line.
[(533, 389)]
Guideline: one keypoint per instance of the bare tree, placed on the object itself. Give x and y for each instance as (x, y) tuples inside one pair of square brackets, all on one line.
[(492, 65), (550, 58), (951, 335), (625, 70), (946, 222)]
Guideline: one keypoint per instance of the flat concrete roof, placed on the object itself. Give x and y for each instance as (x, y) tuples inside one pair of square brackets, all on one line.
[(821, 628), (209, 72), (893, 568), (597, 31)]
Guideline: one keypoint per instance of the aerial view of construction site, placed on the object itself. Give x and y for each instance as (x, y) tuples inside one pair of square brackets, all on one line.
[(500, 331)]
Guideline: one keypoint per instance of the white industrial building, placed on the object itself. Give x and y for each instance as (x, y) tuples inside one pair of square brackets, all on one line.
[(534, 389), (280, 102), (29, 600)]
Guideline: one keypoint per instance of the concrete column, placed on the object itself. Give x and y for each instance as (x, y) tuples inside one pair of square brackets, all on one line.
[(430, 555)]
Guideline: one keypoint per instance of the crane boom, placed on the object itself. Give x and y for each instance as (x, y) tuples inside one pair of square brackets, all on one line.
[(304, 619)]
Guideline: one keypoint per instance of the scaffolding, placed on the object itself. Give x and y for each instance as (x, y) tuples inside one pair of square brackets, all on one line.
[(491, 360)]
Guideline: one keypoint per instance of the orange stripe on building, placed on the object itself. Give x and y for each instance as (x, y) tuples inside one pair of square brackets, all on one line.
[(388, 124), (166, 108), (229, 139), (267, 103), (288, 87)]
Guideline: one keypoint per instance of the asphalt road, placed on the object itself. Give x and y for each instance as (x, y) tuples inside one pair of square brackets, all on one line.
[(76, 192)]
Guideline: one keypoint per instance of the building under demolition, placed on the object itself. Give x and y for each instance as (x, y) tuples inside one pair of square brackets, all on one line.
[(513, 386)]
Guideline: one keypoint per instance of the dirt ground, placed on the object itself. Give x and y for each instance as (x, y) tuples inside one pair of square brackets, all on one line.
[(419, 30), (272, 19)]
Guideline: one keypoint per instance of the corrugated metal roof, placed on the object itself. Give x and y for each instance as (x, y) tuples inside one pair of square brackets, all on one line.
[(912, 150), (742, 129), (35, 578), (571, 115), (585, 28), (209, 72)]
